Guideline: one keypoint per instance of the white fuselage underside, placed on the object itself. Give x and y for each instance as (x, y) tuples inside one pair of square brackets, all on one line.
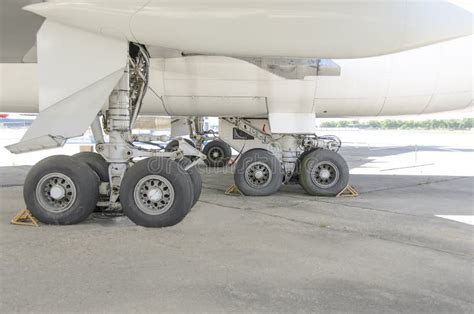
[(431, 79)]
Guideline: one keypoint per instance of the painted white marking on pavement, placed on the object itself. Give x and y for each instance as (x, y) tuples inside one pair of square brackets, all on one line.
[(467, 219)]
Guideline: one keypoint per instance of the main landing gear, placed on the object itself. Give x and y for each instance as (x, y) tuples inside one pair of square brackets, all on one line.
[(311, 161), (159, 190)]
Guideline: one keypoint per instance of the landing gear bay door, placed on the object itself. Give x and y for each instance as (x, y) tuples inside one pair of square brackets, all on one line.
[(77, 72)]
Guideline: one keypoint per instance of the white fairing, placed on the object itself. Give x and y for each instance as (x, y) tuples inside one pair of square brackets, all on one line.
[(431, 79), (293, 28)]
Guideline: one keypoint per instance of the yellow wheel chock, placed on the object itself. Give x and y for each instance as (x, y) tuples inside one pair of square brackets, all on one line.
[(24, 218), (349, 191), (233, 190)]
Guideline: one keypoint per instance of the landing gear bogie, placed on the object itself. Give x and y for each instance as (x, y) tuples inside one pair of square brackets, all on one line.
[(304, 158)]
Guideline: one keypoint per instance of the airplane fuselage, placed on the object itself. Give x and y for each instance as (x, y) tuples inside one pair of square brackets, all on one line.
[(214, 80)]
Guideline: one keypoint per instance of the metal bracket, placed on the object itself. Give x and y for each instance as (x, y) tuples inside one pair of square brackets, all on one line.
[(247, 127), (116, 173), (149, 138)]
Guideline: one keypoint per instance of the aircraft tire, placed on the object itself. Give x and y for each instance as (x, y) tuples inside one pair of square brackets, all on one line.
[(217, 153), (323, 173), (96, 162), (258, 173), (61, 190), (295, 177), (196, 179), (156, 192)]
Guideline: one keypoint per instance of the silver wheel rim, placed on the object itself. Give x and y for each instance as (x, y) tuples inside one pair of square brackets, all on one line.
[(154, 195), (325, 174), (56, 192), (258, 174)]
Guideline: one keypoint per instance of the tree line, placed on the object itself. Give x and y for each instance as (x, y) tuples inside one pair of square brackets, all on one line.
[(451, 124)]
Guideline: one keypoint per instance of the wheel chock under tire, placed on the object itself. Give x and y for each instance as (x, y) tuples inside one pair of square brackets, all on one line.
[(233, 190), (349, 191), (24, 218)]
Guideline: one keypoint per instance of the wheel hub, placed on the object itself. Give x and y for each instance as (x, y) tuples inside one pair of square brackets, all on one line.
[(325, 174), (154, 194), (216, 154), (56, 192), (258, 174)]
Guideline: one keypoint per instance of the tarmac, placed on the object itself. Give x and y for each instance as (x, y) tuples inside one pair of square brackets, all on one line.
[(386, 251)]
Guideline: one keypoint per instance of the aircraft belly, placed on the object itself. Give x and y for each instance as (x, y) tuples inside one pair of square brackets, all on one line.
[(432, 79), (403, 105), (317, 28), (445, 102), (220, 86), (295, 28), (347, 107), (223, 105)]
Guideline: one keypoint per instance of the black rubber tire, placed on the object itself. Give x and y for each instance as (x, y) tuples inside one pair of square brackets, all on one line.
[(221, 162), (96, 162), (175, 174), (196, 179), (84, 178), (266, 157), (174, 144), (311, 160), (295, 178)]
